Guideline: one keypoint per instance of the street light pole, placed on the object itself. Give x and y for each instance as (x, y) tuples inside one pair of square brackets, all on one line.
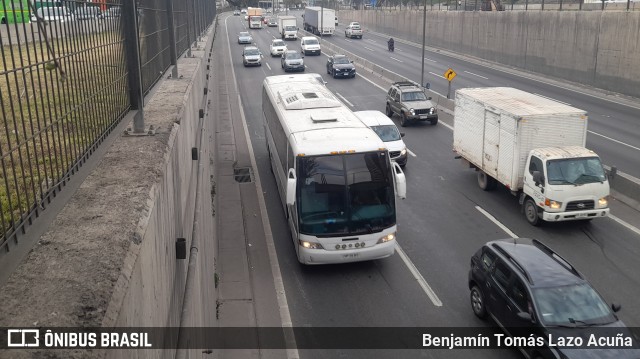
[(424, 32)]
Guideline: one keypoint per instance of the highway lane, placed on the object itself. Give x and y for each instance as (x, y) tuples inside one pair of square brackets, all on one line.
[(439, 229), (380, 293), (614, 130)]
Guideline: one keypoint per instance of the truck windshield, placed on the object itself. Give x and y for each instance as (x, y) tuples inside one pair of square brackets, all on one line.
[(290, 28), (345, 194), (311, 42), (575, 171)]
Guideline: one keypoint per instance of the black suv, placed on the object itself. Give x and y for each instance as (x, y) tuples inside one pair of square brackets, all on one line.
[(408, 100), (527, 288)]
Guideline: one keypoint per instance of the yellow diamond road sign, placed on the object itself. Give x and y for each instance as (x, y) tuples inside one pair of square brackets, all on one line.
[(449, 74)]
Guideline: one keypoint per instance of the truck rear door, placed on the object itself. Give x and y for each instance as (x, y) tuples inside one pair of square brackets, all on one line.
[(491, 143)]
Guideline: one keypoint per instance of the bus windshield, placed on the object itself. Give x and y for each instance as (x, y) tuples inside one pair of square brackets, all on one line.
[(349, 194)]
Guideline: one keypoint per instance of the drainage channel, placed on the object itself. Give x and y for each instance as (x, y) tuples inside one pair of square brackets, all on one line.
[(243, 174)]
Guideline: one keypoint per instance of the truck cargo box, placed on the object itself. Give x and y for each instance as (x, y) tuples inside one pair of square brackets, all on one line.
[(496, 128)]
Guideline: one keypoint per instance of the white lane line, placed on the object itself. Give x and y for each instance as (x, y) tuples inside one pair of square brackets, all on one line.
[(368, 48), (416, 274), (347, 40), (266, 63), (285, 314), (552, 99), (398, 50), (471, 73), (446, 124), (373, 41), (434, 74), (428, 59), (625, 224), (614, 140), (494, 220), (411, 153), (344, 99), (393, 58)]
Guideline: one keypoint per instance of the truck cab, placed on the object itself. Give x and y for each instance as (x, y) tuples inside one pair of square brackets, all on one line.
[(563, 184)]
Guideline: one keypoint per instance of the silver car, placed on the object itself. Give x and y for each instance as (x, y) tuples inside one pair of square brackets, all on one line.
[(244, 38), (292, 61), (251, 56)]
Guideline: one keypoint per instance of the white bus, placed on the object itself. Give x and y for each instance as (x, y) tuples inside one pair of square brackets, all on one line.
[(335, 179)]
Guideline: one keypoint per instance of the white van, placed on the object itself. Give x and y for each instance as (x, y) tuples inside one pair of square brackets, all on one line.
[(310, 45), (58, 13), (388, 133)]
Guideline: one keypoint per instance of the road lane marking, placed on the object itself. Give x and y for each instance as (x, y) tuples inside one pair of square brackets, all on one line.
[(552, 99), (436, 75), (283, 306), (411, 153), (471, 73), (368, 48), (498, 223), (416, 274), (266, 63), (625, 224), (614, 140), (347, 40), (428, 59), (393, 58), (373, 41), (344, 99)]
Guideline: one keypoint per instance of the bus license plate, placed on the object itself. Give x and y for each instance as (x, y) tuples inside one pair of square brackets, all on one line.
[(350, 255)]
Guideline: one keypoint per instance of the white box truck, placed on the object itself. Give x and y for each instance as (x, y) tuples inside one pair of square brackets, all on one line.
[(319, 21), (534, 146), (255, 15), (288, 27)]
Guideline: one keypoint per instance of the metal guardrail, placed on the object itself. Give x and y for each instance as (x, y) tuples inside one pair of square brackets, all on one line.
[(67, 82)]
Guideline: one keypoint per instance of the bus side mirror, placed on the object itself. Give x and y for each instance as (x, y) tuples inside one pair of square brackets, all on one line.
[(291, 187), (401, 181)]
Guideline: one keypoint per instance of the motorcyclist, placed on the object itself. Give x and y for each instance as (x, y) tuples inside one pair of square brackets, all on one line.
[(390, 44)]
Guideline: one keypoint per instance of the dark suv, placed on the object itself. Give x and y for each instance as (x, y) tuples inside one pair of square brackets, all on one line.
[(527, 288), (408, 100)]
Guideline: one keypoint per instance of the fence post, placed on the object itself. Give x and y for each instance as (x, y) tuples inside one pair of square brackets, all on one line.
[(172, 39), (132, 47)]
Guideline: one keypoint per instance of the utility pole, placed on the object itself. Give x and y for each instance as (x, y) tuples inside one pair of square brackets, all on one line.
[(424, 32)]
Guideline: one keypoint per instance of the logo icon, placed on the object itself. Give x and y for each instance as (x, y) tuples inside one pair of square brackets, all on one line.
[(580, 205), (21, 338)]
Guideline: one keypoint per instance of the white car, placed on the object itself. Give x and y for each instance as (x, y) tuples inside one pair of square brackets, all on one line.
[(388, 133), (278, 47), (310, 45)]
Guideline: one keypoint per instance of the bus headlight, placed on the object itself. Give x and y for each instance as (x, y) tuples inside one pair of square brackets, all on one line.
[(310, 245), (389, 237), (603, 202), (552, 204)]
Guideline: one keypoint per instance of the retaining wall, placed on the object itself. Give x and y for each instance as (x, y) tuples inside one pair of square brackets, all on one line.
[(595, 48), (109, 259)]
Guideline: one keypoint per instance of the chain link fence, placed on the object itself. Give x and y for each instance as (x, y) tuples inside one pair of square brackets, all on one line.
[(65, 84)]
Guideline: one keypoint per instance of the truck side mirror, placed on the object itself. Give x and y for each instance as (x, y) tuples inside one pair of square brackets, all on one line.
[(615, 307), (427, 85), (538, 178), (525, 317), (613, 172), (402, 134)]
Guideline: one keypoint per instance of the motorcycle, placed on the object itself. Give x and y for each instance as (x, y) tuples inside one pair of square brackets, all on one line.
[(390, 45)]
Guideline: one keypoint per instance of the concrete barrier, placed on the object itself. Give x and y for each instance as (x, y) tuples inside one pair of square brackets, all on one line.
[(109, 259), (593, 48)]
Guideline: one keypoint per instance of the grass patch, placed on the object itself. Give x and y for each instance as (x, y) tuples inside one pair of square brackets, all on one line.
[(52, 116)]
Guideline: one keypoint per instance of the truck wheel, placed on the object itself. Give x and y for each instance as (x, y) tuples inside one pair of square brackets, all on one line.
[(531, 212), (486, 182)]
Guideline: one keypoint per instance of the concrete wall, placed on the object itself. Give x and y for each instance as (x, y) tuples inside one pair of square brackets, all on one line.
[(109, 258), (595, 48)]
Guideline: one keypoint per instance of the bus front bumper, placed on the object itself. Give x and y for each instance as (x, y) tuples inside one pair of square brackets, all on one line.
[(323, 256)]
